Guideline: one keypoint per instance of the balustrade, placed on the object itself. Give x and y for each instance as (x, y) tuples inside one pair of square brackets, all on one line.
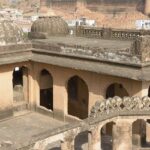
[(114, 34)]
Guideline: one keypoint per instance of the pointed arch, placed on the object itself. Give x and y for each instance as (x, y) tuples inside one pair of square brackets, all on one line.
[(78, 97), (116, 89), (46, 89)]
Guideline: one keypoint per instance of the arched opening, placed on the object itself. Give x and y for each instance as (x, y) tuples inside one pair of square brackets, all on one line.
[(139, 134), (149, 92), (81, 141), (107, 136), (148, 132), (116, 89), (46, 90), (20, 84), (78, 96)]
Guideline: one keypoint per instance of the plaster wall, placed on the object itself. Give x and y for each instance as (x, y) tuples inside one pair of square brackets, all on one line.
[(6, 88), (97, 86)]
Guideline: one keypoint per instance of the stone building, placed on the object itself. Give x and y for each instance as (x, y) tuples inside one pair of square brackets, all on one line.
[(92, 88)]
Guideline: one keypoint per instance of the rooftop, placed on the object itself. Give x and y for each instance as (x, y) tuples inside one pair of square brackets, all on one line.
[(23, 130), (88, 43)]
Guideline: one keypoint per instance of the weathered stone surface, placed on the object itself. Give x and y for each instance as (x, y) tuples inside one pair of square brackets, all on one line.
[(49, 26), (10, 33), (117, 106)]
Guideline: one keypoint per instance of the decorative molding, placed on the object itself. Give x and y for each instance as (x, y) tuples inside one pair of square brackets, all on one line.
[(126, 106)]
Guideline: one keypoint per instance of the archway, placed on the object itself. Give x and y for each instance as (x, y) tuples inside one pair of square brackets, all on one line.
[(139, 133), (46, 90), (81, 141), (78, 97), (20, 84), (116, 89), (149, 91), (107, 136)]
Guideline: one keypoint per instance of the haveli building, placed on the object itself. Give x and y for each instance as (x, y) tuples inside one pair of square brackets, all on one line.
[(94, 82)]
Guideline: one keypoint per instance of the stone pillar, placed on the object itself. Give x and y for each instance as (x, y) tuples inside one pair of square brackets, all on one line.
[(147, 7), (25, 83), (32, 88), (145, 88), (94, 139), (59, 97), (122, 135), (147, 132)]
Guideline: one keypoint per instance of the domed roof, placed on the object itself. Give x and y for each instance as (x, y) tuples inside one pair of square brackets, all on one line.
[(10, 33), (49, 26)]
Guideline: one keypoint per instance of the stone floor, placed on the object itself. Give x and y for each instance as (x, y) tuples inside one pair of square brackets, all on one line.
[(18, 132)]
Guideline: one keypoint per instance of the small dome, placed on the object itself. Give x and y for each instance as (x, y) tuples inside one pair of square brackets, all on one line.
[(10, 33), (49, 26)]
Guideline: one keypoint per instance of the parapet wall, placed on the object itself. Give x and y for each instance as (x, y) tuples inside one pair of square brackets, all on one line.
[(140, 47), (109, 33), (108, 110), (117, 106)]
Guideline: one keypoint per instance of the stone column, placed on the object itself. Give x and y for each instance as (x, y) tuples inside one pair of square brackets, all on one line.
[(147, 132), (25, 84), (147, 7), (122, 135), (145, 88), (32, 87), (94, 139)]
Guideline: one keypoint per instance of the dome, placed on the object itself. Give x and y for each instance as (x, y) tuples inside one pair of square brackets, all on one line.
[(49, 26), (10, 33)]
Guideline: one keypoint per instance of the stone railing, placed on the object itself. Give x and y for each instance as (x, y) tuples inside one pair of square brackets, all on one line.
[(109, 33), (127, 106), (101, 111)]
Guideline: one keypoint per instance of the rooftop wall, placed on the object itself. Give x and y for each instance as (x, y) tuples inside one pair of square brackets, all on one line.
[(109, 33)]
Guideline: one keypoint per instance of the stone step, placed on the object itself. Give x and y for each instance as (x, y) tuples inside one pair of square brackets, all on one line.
[(20, 106)]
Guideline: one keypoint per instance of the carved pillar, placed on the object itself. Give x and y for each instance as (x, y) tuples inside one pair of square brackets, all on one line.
[(122, 135), (94, 139)]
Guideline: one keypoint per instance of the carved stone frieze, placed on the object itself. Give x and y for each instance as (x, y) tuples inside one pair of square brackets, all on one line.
[(118, 105)]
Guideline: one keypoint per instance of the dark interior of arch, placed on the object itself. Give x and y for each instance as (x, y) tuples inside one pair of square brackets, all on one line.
[(116, 90), (78, 96), (18, 77), (46, 90)]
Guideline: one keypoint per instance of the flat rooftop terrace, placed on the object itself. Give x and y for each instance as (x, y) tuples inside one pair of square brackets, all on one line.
[(19, 131), (87, 42)]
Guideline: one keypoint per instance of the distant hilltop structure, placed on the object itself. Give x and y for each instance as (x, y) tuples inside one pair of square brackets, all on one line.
[(141, 5)]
